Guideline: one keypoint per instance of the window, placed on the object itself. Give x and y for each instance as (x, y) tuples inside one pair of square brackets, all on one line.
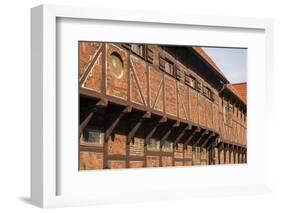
[(199, 86), (166, 65), (167, 145), (92, 136), (169, 67), (192, 81), (152, 143), (208, 93), (227, 110), (180, 74), (116, 65), (186, 79), (149, 54), (138, 49)]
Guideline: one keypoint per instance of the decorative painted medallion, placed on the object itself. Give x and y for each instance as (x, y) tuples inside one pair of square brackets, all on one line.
[(116, 65)]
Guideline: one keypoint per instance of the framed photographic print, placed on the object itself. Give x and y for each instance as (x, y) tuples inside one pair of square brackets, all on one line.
[(130, 106)]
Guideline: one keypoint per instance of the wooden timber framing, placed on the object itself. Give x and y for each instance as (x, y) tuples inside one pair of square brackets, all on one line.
[(135, 108)]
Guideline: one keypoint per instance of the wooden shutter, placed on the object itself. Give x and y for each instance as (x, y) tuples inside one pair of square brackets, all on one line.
[(149, 55), (186, 79), (162, 63), (179, 73)]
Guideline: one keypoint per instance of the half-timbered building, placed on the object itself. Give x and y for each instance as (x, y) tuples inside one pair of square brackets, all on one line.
[(156, 106)]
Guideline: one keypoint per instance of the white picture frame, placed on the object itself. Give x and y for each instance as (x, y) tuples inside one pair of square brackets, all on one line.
[(46, 173)]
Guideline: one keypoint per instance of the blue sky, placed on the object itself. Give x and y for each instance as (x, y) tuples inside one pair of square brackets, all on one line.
[(231, 61)]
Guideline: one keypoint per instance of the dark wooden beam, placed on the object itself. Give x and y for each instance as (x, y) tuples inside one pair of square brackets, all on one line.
[(181, 134), (188, 140), (211, 143), (158, 94), (147, 115), (115, 120), (166, 135), (85, 121), (138, 84), (200, 138), (151, 132), (134, 129), (205, 142)]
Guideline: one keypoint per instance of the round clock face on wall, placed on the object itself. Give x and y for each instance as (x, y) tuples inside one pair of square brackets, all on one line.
[(116, 65)]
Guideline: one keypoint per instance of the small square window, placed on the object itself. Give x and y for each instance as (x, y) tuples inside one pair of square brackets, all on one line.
[(92, 136), (152, 143), (192, 81), (169, 67), (168, 145)]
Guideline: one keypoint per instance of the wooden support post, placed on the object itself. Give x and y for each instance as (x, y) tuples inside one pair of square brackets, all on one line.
[(85, 122), (238, 151), (245, 155), (220, 149), (230, 152), (224, 153), (234, 153)]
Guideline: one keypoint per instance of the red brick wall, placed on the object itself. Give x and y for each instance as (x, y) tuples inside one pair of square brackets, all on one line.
[(221, 156), (183, 101), (118, 145), (136, 164), (155, 79), (91, 160), (139, 68), (209, 114), (171, 98), (202, 110), (167, 161), (116, 164), (179, 151), (137, 148), (152, 161), (227, 156), (94, 78), (193, 106), (203, 156), (87, 51)]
